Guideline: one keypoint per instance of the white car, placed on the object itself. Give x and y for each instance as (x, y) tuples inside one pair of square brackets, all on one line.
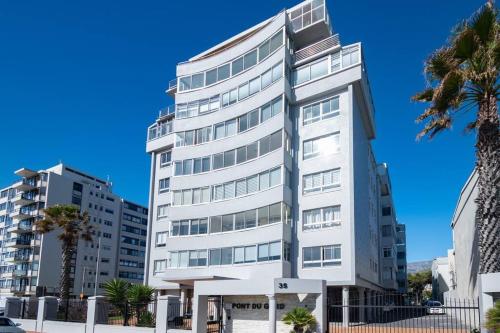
[(8, 326), (434, 307)]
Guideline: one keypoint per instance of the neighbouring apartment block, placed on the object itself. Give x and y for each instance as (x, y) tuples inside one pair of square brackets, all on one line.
[(263, 172), (30, 263)]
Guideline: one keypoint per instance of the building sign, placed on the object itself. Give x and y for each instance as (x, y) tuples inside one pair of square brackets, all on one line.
[(255, 306)]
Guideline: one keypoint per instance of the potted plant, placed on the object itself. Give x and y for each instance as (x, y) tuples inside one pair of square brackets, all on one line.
[(301, 319)]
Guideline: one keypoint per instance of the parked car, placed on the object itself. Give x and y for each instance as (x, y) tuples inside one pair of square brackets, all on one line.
[(434, 307), (8, 326)]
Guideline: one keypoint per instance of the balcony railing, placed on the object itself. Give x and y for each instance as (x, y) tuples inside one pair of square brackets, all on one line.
[(317, 48), (160, 129), (172, 84), (167, 111)]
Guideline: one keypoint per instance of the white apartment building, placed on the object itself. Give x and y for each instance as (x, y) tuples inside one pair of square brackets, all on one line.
[(30, 263), (263, 171)]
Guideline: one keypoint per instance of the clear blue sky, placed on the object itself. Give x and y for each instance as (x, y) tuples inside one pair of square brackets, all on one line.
[(80, 81)]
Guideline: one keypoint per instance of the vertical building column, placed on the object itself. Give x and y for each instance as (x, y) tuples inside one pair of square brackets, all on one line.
[(272, 313), (345, 306), (200, 313), (362, 305), (183, 300), (96, 312)]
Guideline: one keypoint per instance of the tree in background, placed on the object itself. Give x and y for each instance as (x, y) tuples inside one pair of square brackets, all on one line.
[(116, 291), (462, 77), (417, 283), (71, 225), (139, 297)]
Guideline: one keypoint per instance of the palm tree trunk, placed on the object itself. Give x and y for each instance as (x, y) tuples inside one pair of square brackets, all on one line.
[(488, 168), (67, 254)]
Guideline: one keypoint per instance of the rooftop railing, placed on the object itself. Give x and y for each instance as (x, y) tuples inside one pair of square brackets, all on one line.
[(172, 84), (317, 48), (167, 111), (160, 129)]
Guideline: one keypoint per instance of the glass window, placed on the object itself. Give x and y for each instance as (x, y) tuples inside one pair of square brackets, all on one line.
[(225, 99), (203, 226), (319, 69), (218, 192), (202, 258), (218, 161), (266, 79), (233, 96), (252, 184), (165, 159), (241, 155), (205, 194), (215, 224), (250, 253), (263, 214), (241, 187), (239, 221), (184, 228), (264, 145), (312, 256), (276, 106), (237, 65), (264, 180), (205, 164), (177, 198), (219, 131), (265, 112), (174, 259), (250, 59), (211, 76), (228, 222), (197, 165), (250, 218), (331, 255), (231, 127), (214, 103), (197, 80), (276, 41), (229, 190), (187, 167), (239, 255), (263, 252), (189, 138), (194, 227), (252, 151), (253, 118), (215, 257), (275, 213), (275, 141), (229, 158), (275, 251), (254, 86), (196, 196), (277, 71), (263, 50), (226, 256), (243, 91), (242, 123), (301, 75), (185, 83), (275, 177), (223, 72), (183, 259)]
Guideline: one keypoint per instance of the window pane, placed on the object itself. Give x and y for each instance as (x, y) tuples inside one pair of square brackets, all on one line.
[(263, 252), (187, 167), (265, 112), (266, 79), (319, 69), (205, 164), (237, 66), (203, 226), (243, 91), (253, 118), (231, 127), (263, 50), (276, 41), (227, 222), (215, 224), (205, 194), (263, 215), (215, 257), (218, 192), (252, 150), (196, 195), (264, 180), (252, 184), (219, 131), (275, 141), (233, 96), (186, 197), (184, 229), (254, 86), (302, 75), (225, 99), (223, 72), (239, 255), (211, 76), (242, 123), (197, 81), (229, 158), (264, 144), (185, 83), (276, 106), (241, 187), (226, 256), (275, 213), (275, 177), (239, 221), (183, 258), (250, 218), (178, 168), (218, 161), (250, 59), (229, 190), (241, 155), (275, 251), (277, 71), (250, 253)]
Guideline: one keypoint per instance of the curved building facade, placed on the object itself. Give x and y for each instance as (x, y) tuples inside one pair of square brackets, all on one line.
[(263, 169)]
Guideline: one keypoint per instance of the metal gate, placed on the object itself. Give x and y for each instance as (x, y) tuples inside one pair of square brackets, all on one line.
[(453, 316), (214, 314)]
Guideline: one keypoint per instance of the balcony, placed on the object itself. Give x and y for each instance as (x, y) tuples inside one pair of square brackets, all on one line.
[(172, 87), (316, 50), (20, 228), (27, 173), (160, 129), (23, 199), (309, 21), (17, 243), (166, 112), (21, 214), (24, 185), (20, 272), (35, 242)]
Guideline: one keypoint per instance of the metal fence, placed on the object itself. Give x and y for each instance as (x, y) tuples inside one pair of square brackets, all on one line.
[(29, 308), (180, 315), (128, 314), (454, 316), (73, 310)]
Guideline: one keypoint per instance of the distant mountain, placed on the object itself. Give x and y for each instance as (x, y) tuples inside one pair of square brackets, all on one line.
[(418, 266)]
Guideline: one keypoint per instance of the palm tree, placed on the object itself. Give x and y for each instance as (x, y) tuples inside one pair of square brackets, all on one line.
[(116, 291), (139, 297), (493, 318), (71, 226), (462, 77), (301, 319)]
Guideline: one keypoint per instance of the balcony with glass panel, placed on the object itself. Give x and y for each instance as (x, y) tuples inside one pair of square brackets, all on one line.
[(17, 243), (22, 213), (20, 228), (172, 87), (23, 199), (309, 22), (25, 185)]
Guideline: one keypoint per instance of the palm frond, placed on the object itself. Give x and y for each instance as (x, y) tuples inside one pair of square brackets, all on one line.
[(439, 64), (424, 96), (483, 23), (435, 126)]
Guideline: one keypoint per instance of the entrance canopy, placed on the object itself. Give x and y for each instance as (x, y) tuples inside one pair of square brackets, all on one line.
[(189, 280)]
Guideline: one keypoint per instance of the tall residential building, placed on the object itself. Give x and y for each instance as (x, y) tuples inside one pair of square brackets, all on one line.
[(30, 263), (264, 168)]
